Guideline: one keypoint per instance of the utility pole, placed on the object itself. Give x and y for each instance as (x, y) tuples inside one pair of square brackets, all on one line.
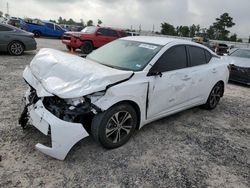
[(153, 28), (8, 8)]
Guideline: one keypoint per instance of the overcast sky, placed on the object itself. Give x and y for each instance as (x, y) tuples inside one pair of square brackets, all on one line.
[(124, 13)]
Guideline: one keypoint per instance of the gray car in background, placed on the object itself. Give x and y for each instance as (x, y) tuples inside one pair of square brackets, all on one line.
[(15, 41)]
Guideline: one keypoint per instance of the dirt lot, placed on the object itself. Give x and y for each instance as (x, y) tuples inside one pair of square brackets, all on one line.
[(194, 148)]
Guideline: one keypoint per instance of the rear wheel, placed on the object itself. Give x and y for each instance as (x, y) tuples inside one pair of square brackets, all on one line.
[(115, 126), (87, 47), (37, 34), (214, 97), (16, 48)]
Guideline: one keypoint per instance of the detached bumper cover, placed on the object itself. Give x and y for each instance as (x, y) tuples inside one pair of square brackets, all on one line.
[(64, 135)]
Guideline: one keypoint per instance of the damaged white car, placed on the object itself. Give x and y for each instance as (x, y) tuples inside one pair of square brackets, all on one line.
[(117, 89)]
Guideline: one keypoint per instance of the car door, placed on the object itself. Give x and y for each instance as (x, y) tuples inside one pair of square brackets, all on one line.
[(58, 31), (101, 37), (50, 29), (201, 74), (169, 83), (5, 37)]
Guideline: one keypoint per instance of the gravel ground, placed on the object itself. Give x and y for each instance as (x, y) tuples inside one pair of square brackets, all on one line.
[(194, 148)]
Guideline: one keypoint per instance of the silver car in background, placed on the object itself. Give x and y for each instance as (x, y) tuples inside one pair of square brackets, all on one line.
[(15, 41)]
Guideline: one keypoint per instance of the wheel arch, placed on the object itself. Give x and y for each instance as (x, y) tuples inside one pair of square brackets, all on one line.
[(135, 106), (223, 87)]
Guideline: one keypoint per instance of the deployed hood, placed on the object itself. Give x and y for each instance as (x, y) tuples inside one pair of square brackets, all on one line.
[(69, 76), (238, 61)]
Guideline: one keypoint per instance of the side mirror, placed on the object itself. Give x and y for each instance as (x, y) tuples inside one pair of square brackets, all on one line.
[(98, 33), (154, 73)]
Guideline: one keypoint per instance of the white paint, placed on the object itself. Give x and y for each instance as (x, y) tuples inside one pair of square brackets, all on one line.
[(64, 135), (55, 73)]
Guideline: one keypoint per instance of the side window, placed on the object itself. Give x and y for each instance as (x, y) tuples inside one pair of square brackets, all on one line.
[(58, 28), (173, 59), (197, 56), (103, 31), (208, 56), (112, 33), (50, 26), (3, 28)]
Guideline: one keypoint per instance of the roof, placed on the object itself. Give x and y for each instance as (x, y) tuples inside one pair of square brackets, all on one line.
[(157, 40)]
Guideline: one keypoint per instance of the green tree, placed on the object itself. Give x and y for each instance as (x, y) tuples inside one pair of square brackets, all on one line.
[(221, 25), (210, 32), (54, 21), (90, 23), (1, 14), (82, 22), (60, 20), (99, 22), (239, 40), (183, 31), (6, 15), (167, 29), (193, 30), (233, 37)]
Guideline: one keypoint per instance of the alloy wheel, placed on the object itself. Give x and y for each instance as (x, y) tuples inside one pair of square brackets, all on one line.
[(119, 126), (16, 48), (215, 96)]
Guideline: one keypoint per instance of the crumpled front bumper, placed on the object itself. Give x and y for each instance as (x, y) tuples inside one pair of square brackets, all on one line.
[(64, 135)]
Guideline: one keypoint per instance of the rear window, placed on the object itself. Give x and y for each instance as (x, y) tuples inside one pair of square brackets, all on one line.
[(197, 56)]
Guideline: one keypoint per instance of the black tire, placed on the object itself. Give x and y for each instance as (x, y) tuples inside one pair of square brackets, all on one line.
[(214, 96), (37, 34), (87, 47), (16, 48), (108, 132), (69, 48)]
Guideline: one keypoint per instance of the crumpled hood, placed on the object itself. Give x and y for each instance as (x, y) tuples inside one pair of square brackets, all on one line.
[(238, 61), (69, 76)]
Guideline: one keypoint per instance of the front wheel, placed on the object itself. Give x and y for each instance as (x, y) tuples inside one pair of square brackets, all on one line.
[(87, 47), (115, 126), (16, 48), (214, 96), (37, 34)]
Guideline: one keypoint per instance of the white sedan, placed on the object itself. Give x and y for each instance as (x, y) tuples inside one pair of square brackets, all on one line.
[(117, 89)]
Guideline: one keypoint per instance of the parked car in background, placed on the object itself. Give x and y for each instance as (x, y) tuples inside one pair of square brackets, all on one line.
[(240, 65), (117, 89), (91, 38), (3, 20), (44, 28), (76, 28), (130, 33), (218, 48), (15, 41)]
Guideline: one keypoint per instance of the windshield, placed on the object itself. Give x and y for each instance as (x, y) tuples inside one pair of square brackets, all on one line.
[(241, 53), (125, 55), (90, 29)]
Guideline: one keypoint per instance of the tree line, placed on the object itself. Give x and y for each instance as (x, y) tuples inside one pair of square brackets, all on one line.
[(218, 30), (72, 22)]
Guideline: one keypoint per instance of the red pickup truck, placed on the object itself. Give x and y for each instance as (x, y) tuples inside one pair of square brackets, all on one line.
[(90, 38)]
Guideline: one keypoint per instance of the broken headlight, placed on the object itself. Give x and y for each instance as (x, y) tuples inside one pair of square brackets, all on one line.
[(67, 109)]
